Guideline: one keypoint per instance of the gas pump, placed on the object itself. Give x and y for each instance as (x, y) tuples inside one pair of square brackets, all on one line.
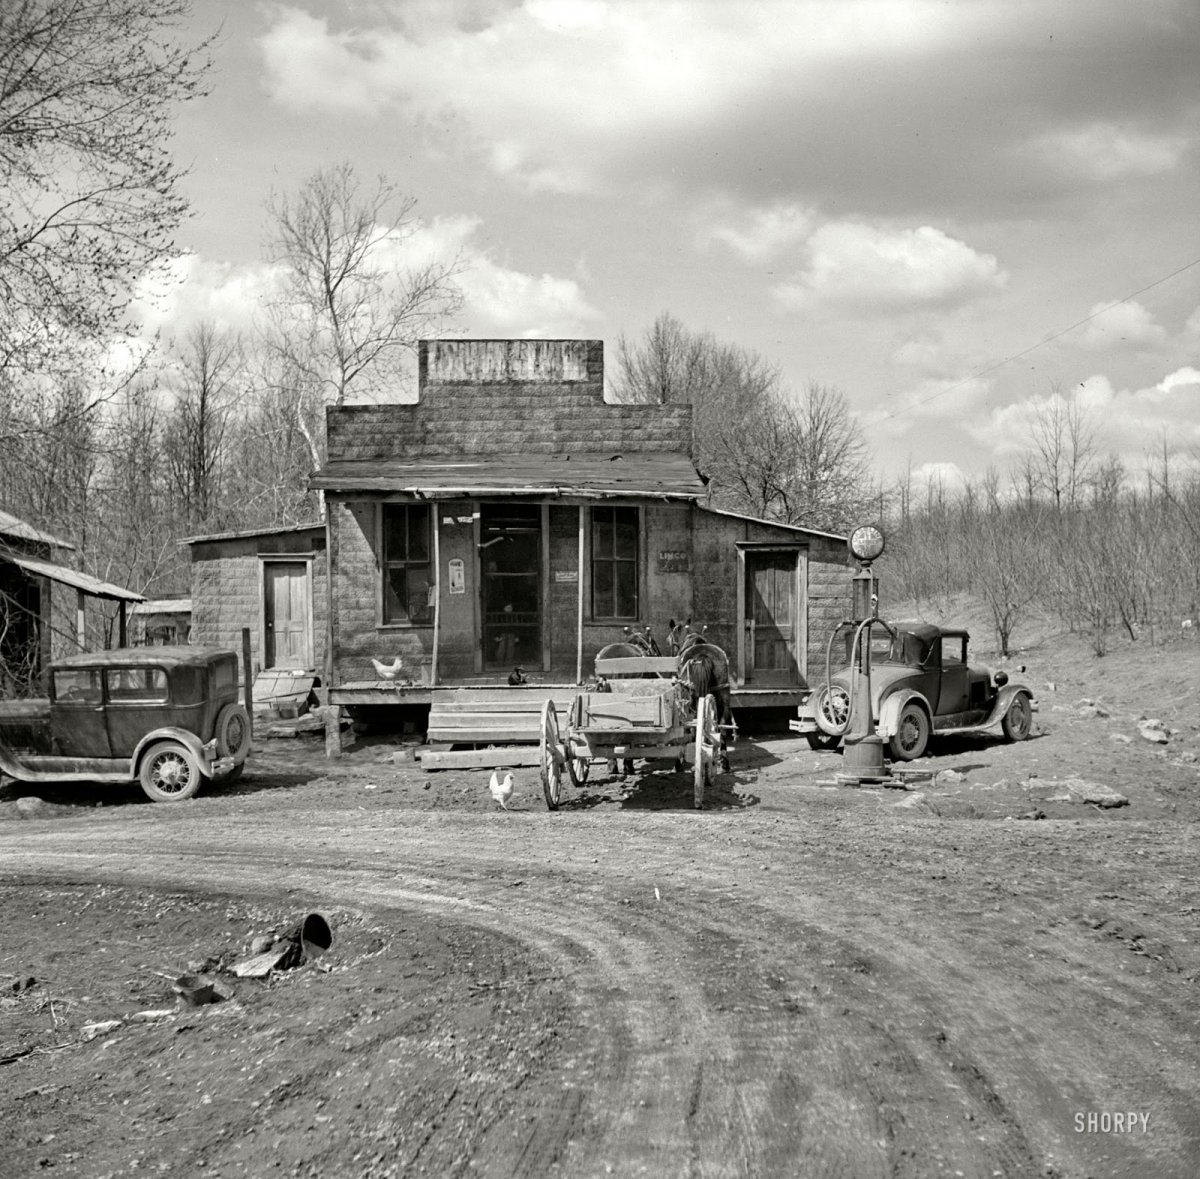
[(862, 747)]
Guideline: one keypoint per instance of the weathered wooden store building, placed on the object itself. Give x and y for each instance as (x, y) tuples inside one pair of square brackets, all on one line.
[(511, 518)]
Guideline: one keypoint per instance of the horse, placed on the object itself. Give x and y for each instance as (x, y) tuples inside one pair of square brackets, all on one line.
[(704, 669)]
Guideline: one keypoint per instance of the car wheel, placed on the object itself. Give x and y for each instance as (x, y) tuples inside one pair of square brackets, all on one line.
[(912, 733), (1018, 720), (169, 772), (233, 731), (832, 710)]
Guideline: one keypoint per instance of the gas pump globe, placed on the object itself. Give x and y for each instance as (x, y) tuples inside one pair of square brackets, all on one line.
[(862, 747), (866, 545)]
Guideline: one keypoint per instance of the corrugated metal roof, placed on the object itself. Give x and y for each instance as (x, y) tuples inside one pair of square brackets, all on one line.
[(11, 525), (245, 533), (776, 523), (663, 476), (71, 577), (164, 606)]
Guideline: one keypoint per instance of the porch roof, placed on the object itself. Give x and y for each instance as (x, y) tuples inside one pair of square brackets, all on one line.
[(17, 528), (595, 476), (72, 577)]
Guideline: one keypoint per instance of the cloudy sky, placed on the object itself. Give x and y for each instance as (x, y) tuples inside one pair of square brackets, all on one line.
[(951, 211)]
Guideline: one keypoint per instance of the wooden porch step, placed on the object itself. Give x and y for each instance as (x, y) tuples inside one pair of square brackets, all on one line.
[(481, 716)]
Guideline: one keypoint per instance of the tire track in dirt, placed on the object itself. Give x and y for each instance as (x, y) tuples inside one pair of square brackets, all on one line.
[(788, 1025)]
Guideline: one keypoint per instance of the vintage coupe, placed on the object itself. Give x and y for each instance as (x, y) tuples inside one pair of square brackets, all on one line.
[(166, 717), (921, 686)]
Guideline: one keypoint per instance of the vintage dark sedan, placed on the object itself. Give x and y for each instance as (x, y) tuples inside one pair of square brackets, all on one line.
[(921, 686), (166, 717)]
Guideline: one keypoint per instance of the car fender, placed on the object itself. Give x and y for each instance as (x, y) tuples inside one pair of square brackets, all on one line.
[(891, 707), (204, 754), (1004, 698)]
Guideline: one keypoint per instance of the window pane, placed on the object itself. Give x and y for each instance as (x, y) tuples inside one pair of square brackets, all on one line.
[(77, 687), (395, 594), (602, 532), (418, 593), (395, 532), (143, 684), (626, 532), (602, 589), (418, 533), (626, 590)]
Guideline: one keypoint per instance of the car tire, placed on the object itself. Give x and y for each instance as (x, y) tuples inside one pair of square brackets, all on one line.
[(1018, 719), (170, 772), (831, 708), (911, 737), (233, 732)]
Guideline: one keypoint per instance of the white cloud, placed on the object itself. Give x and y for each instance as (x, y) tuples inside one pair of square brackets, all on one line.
[(200, 289), (552, 92), (944, 475), (498, 300), (759, 234), (866, 269), (1105, 151), (1130, 423), (1127, 325)]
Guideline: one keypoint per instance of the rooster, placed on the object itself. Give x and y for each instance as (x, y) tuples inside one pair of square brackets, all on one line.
[(384, 672), (501, 791)]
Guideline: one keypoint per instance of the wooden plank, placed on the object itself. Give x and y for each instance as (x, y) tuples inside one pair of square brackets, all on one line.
[(472, 759), (610, 710), (529, 697), (455, 707), (636, 665), (479, 736)]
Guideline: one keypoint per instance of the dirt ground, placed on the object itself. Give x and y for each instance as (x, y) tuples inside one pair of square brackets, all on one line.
[(976, 976)]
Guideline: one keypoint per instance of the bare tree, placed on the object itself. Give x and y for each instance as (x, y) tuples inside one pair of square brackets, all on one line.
[(89, 195), (1064, 439), (208, 379), (798, 459), (355, 298)]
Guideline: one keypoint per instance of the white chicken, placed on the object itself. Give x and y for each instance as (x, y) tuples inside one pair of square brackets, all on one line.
[(501, 791), (384, 672)]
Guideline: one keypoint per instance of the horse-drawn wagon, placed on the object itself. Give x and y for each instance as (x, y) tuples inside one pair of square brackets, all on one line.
[(644, 706)]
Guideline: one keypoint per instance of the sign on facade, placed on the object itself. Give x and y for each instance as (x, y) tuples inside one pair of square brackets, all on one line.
[(673, 561)]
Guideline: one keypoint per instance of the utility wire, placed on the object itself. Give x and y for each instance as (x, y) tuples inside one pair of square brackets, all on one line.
[(991, 368)]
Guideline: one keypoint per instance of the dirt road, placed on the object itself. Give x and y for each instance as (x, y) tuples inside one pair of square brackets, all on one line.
[(798, 981)]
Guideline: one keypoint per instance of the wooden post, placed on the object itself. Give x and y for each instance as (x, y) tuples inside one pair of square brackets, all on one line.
[(247, 678), (331, 714), (80, 620), (437, 593), (579, 620), (122, 625)]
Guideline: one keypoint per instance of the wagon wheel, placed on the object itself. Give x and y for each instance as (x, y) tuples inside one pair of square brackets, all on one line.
[(578, 768), (708, 740), (551, 756)]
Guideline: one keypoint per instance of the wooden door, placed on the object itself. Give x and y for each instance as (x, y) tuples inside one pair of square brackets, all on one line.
[(771, 619), (285, 614)]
